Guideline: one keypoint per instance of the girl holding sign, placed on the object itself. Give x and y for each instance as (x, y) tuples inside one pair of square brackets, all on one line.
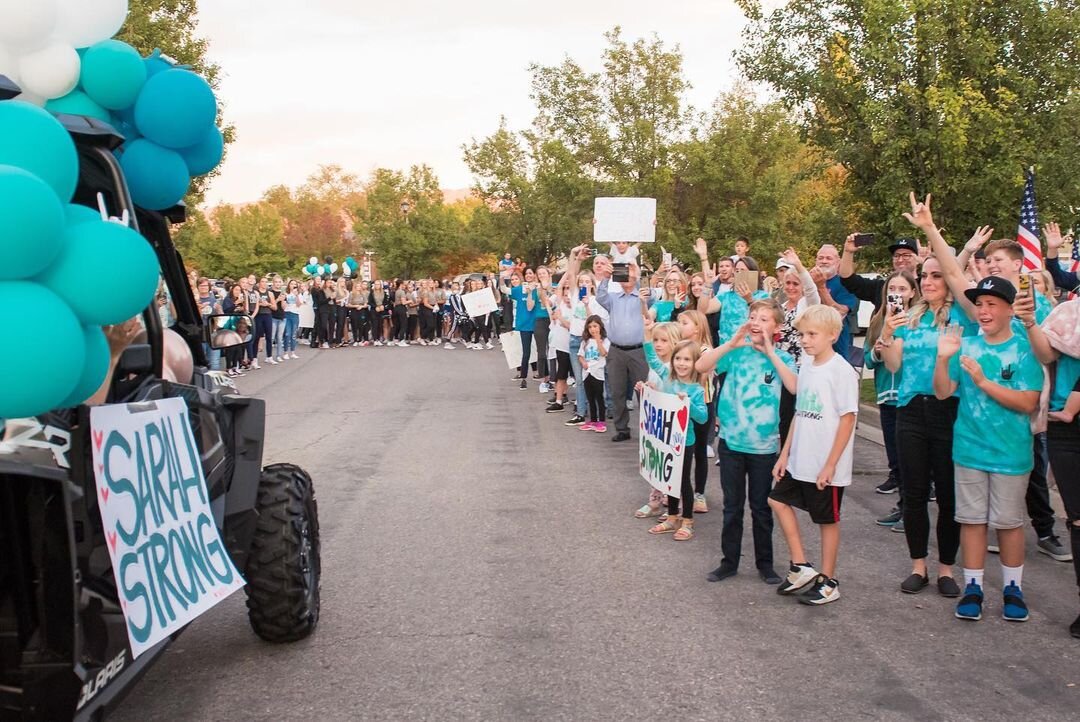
[(685, 382), (662, 339)]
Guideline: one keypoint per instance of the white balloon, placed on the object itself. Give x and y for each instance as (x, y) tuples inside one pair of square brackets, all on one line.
[(85, 22), (313, 261), (9, 65), (333, 268), (346, 271), (32, 99), (26, 23), (51, 72)]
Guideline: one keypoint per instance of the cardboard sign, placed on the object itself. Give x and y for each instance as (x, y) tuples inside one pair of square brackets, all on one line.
[(662, 423), (511, 347), (632, 220), (168, 559), (480, 303)]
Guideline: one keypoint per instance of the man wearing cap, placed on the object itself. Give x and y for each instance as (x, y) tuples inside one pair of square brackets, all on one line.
[(905, 257), (998, 379)]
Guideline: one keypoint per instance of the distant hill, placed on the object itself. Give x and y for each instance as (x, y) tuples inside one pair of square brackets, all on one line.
[(453, 195)]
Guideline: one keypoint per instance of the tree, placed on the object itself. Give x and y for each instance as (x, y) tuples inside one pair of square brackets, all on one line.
[(233, 242), (952, 98), (171, 26)]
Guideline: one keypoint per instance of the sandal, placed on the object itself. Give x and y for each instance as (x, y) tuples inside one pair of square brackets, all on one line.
[(665, 527), (647, 511), (685, 533)]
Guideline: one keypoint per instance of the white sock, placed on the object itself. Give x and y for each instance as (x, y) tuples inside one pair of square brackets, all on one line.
[(973, 576), (1011, 575)]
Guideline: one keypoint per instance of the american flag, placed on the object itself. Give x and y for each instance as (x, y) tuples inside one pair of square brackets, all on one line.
[(1027, 235)]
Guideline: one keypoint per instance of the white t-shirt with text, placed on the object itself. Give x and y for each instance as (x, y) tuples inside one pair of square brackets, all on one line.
[(826, 393)]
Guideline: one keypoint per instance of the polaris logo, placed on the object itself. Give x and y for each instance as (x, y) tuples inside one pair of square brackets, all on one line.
[(98, 683)]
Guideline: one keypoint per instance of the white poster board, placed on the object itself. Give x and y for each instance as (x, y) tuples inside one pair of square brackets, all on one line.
[(632, 220), (480, 303), (168, 559), (662, 423), (511, 347)]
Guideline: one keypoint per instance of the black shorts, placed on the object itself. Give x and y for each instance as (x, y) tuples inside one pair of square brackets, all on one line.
[(823, 505), (562, 365)]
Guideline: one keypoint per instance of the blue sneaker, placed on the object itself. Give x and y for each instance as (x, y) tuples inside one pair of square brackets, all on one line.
[(1013, 608), (970, 605)]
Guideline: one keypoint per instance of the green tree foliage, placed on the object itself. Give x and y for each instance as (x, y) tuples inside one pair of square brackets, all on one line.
[(233, 242), (172, 27), (318, 216), (954, 98)]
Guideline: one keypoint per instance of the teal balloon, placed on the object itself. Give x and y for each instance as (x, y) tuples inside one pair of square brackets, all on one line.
[(75, 213), (93, 251), (78, 103), (32, 139), (33, 220), (157, 177), (205, 155), (95, 367), (112, 74), (176, 109), (40, 374), (155, 64), (124, 122)]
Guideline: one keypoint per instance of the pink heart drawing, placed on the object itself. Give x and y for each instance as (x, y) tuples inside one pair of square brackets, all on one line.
[(99, 438), (111, 536), (677, 449), (104, 494)]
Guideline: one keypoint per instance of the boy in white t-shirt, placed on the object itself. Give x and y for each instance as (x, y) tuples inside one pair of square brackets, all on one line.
[(815, 463)]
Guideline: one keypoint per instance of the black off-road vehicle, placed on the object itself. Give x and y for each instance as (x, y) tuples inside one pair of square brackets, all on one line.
[(64, 649)]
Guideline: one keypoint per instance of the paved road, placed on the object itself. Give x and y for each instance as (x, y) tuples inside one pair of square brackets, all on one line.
[(480, 561)]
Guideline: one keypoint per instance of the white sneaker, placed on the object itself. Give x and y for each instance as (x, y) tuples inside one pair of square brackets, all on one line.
[(488, 346), (403, 344), (448, 345), (325, 345), (294, 355), (255, 365), (271, 361), (281, 358), (709, 452)]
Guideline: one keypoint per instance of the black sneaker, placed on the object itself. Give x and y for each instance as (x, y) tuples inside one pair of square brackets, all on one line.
[(722, 572), (889, 486), (914, 584), (1053, 548), (823, 591), (554, 408), (552, 400), (524, 385), (575, 420), (769, 575), (891, 518)]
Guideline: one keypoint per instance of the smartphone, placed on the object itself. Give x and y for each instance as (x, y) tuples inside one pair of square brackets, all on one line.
[(751, 279), (582, 293), (1025, 283), (667, 260), (620, 272), (895, 303), (591, 252), (863, 239)]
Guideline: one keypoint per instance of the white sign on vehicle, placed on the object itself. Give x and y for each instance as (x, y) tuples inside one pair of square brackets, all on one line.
[(632, 220), (168, 559), (480, 303)]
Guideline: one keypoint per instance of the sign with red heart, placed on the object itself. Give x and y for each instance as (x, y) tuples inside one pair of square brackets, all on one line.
[(662, 439)]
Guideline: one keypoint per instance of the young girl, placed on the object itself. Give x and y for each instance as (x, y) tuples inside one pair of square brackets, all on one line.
[(694, 326), (661, 339), (684, 381), (561, 314), (593, 355), (898, 286)]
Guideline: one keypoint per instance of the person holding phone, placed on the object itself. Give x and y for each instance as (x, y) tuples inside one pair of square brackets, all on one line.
[(905, 259), (626, 364)]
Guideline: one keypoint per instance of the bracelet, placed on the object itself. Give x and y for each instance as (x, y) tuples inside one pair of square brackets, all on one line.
[(885, 343), (1029, 324)]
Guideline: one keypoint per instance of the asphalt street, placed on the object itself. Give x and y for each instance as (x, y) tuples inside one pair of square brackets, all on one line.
[(480, 561)]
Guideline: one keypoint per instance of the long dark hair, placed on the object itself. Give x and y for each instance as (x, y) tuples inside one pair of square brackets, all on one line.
[(597, 320)]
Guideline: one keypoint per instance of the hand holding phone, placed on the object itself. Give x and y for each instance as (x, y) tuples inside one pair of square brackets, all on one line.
[(863, 240)]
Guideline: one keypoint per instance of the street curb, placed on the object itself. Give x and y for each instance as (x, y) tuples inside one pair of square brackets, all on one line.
[(868, 426)]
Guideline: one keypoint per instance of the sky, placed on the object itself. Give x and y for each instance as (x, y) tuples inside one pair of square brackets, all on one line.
[(392, 84)]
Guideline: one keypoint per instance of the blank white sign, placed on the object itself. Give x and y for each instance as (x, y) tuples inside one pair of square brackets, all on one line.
[(632, 220)]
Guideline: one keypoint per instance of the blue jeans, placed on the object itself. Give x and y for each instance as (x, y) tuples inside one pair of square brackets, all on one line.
[(277, 331), (292, 322), (213, 357), (526, 352), (575, 366)]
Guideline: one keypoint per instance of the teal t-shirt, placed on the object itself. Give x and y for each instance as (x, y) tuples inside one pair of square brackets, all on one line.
[(920, 353), (749, 405), (660, 368), (695, 395), (664, 309), (886, 383), (1068, 371), (1042, 310), (987, 436), (524, 319), (539, 310), (734, 312)]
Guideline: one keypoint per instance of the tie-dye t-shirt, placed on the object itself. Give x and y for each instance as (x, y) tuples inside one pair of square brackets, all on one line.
[(695, 396), (1068, 371), (1042, 310), (987, 436), (749, 405), (664, 309), (920, 353), (734, 312)]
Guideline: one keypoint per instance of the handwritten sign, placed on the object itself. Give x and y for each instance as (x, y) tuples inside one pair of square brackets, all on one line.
[(662, 440), (511, 347), (632, 220), (480, 303), (168, 559)]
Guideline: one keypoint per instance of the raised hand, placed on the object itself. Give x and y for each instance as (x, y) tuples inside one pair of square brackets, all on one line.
[(849, 244), (739, 337), (792, 256), (981, 236), (920, 215), (973, 369), (744, 291), (701, 248), (1053, 239), (948, 342), (1024, 307), (818, 277)]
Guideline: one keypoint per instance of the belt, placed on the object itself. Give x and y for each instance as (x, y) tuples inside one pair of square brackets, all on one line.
[(627, 348)]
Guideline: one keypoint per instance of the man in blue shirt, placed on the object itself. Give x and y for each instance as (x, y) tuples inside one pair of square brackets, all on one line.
[(834, 294), (626, 329)]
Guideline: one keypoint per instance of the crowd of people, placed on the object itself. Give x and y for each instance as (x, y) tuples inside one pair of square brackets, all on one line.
[(976, 374)]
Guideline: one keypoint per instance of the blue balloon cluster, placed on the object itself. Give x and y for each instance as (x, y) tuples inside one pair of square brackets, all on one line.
[(166, 114), (52, 260)]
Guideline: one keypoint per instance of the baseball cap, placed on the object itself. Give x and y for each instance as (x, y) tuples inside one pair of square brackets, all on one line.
[(781, 263), (904, 243), (992, 286)]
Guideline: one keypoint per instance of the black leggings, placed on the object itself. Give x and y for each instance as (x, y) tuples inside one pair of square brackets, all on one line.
[(377, 325), (264, 328), (701, 457), (401, 323), (360, 322), (427, 323), (479, 328), (1063, 443), (687, 486), (341, 321), (540, 334), (924, 436), (594, 394)]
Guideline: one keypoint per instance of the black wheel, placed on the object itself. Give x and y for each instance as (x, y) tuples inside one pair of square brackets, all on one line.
[(283, 567)]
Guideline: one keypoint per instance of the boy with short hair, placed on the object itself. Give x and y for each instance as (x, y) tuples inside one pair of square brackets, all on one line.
[(815, 464), (999, 380)]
